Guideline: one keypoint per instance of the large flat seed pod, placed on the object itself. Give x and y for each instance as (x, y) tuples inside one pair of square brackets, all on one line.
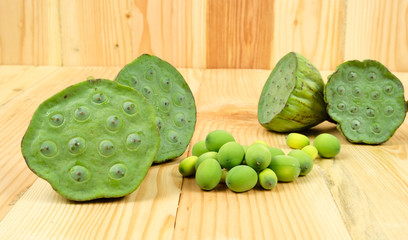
[(171, 98), (95, 139), (366, 100), (292, 97)]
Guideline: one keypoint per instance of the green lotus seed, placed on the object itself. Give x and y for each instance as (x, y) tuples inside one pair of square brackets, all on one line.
[(187, 166), (297, 140), (150, 74), (77, 145), (327, 145), (172, 137), (389, 111), (99, 98), (208, 174), (241, 178), (371, 76), (79, 174), (230, 155), (341, 106), (159, 123), (133, 141), (129, 108), (341, 90), (352, 76), (388, 89), (165, 84), (376, 128), (179, 120), (56, 120), (311, 150), (224, 175), (178, 99), (275, 151), (355, 124), (268, 179), (82, 113), (118, 171), (106, 148), (147, 92), (357, 92), (370, 112), (113, 123), (205, 156), (305, 161), (258, 156), (286, 168), (217, 138), (375, 95), (199, 148), (164, 104), (48, 149)]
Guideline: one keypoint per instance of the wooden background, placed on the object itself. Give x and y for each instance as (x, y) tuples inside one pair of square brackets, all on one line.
[(203, 33)]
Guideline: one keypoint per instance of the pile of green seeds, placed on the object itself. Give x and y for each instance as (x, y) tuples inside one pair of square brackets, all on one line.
[(220, 159)]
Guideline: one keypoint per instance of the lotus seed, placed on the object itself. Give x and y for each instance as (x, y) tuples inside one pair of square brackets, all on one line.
[(354, 109), (48, 149), (305, 161), (164, 104), (258, 156), (79, 173), (150, 74), (371, 76), (327, 145), (199, 148), (215, 139), (376, 128), (133, 141), (77, 145), (172, 136), (286, 168), (165, 84), (129, 108), (311, 150), (388, 89), (133, 81), (113, 123), (241, 178), (341, 106), (205, 156), (99, 98), (159, 123), (355, 124), (178, 99), (389, 110), (375, 95), (147, 92), (179, 120), (268, 179), (106, 148), (118, 171), (340, 90), (187, 166), (57, 120), (230, 155), (370, 112), (357, 92), (82, 113), (352, 76), (297, 140), (208, 174)]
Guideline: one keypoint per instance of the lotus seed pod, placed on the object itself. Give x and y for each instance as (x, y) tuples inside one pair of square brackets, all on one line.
[(172, 100), (268, 179), (241, 178), (205, 156), (87, 146), (199, 148), (366, 100), (292, 97), (224, 175), (276, 151), (305, 161), (217, 138), (258, 156), (209, 174), (286, 168), (297, 140), (327, 145), (311, 150), (187, 166), (230, 155)]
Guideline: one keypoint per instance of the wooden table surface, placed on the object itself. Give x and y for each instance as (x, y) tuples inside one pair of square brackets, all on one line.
[(361, 194)]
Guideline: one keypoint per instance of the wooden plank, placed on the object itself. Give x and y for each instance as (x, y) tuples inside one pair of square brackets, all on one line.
[(314, 28), (300, 209), (30, 32), (378, 30)]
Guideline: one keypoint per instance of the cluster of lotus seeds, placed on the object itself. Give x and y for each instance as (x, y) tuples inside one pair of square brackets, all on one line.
[(220, 159)]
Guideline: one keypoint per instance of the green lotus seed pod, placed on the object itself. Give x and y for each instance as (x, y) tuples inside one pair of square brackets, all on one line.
[(230, 155), (268, 179), (224, 175), (366, 100), (258, 156), (187, 166), (172, 100), (276, 151), (205, 156), (286, 168), (305, 161), (292, 97), (199, 148), (87, 146), (311, 150), (217, 138), (327, 145), (297, 140), (209, 174), (241, 178)]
